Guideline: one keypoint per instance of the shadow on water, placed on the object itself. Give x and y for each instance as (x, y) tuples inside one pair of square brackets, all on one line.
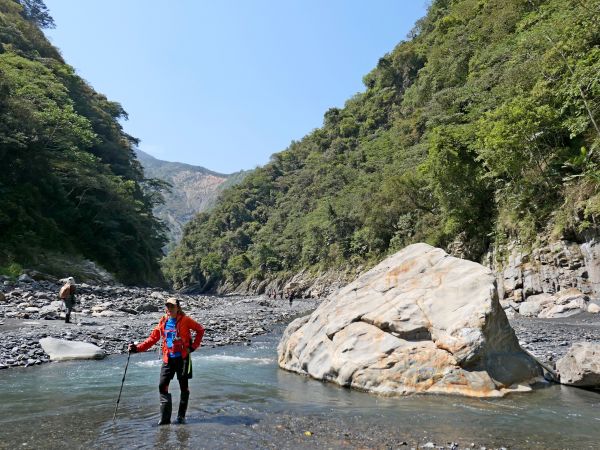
[(223, 420)]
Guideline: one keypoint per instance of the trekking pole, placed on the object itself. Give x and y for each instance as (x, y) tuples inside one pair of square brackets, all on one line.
[(122, 382)]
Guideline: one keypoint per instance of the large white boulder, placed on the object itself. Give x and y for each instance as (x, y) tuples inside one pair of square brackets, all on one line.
[(62, 350), (420, 321), (581, 365)]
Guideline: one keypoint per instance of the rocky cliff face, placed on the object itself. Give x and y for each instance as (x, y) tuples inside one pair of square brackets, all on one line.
[(553, 279), (195, 189)]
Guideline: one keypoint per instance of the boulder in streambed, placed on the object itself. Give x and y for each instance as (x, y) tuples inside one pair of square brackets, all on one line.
[(581, 365), (62, 350), (593, 308), (421, 321)]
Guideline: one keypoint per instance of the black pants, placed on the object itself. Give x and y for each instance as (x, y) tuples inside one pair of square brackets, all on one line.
[(69, 304), (167, 372)]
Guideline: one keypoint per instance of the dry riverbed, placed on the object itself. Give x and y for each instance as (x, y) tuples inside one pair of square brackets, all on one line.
[(110, 317)]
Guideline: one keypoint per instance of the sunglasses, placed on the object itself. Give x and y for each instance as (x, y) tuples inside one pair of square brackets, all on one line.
[(170, 305)]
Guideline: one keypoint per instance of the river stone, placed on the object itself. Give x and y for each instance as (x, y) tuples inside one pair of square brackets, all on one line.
[(530, 309), (581, 365), (49, 312), (421, 321), (565, 303), (61, 350), (535, 304), (25, 278), (593, 308), (147, 307), (107, 313)]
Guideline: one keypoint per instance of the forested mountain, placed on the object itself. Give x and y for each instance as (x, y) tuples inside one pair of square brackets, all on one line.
[(69, 179), (480, 128), (193, 189)]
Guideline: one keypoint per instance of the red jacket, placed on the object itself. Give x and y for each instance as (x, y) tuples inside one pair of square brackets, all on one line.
[(185, 325)]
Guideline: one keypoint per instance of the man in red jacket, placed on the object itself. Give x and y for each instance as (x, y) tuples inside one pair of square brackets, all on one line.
[(175, 328)]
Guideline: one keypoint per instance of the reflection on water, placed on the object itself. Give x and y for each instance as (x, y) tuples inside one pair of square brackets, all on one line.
[(240, 399)]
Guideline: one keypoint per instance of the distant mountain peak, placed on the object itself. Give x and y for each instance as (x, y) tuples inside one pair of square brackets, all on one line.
[(195, 189), (148, 162)]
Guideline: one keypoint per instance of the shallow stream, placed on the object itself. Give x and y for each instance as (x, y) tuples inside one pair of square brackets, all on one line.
[(240, 399)]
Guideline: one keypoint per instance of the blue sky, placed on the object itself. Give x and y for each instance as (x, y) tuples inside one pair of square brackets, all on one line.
[(224, 84)]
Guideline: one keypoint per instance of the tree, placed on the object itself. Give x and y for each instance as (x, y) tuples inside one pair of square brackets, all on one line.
[(37, 12)]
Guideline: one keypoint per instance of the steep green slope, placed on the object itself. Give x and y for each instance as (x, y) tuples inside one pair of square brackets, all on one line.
[(482, 127), (69, 179)]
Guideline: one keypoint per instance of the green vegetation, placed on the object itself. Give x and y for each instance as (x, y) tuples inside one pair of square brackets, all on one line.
[(13, 270), (70, 181), (482, 127)]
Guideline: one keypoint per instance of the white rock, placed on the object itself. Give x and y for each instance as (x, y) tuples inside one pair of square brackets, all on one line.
[(530, 309), (61, 350), (541, 299), (569, 295), (581, 365), (564, 303), (593, 308), (565, 310), (109, 314), (420, 321), (49, 311)]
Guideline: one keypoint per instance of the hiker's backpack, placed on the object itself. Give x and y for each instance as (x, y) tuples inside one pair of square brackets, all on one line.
[(64, 292)]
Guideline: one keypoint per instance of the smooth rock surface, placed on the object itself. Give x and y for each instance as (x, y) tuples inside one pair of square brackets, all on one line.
[(581, 365), (421, 321), (593, 308), (62, 350), (565, 303)]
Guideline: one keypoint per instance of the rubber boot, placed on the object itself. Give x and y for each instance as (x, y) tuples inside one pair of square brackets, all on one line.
[(183, 403), (165, 409)]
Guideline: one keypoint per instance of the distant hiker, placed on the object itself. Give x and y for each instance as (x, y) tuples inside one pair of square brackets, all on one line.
[(175, 328), (292, 293), (67, 295)]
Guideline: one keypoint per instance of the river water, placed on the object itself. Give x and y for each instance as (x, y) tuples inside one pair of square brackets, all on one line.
[(240, 399)]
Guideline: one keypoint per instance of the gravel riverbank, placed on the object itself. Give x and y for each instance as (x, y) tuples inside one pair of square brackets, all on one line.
[(110, 317)]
